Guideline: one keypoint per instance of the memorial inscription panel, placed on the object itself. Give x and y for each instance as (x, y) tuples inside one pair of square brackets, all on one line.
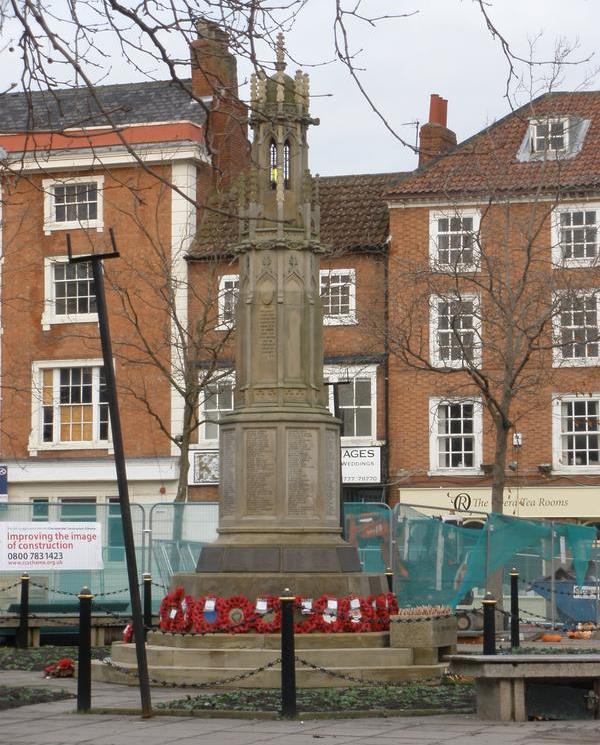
[(260, 475), (332, 464), (227, 476), (302, 472)]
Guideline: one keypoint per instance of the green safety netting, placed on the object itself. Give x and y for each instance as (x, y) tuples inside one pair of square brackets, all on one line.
[(439, 562)]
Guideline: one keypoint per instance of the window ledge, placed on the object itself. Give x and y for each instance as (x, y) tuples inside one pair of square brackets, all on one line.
[(49, 319), (51, 227), (350, 320), (49, 447), (564, 470), (577, 362), (455, 472)]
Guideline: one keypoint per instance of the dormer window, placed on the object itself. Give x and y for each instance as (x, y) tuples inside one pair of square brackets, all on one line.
[(553, 137), (549, 135)]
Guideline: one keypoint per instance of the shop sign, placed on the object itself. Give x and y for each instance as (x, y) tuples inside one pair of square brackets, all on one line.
[(42, 546), (544, 502), (361, 465)]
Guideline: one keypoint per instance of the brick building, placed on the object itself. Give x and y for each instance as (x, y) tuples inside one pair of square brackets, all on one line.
[(404, 293), (493, 265)]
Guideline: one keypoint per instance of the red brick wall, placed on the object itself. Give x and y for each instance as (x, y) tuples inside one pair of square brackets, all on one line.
[(140, 213), (508, 230)]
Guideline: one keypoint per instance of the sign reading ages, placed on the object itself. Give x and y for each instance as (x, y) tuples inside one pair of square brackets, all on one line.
[(361, 465), (43, 546)]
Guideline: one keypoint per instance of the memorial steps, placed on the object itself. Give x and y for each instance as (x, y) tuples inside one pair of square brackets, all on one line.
[(189, 659)]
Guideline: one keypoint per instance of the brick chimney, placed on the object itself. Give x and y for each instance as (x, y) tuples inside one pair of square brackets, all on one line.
[(213, 66), (435, 138), (214, 75)]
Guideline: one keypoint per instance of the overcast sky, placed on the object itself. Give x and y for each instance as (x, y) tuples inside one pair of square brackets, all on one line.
[(443, 48), (446, 49)]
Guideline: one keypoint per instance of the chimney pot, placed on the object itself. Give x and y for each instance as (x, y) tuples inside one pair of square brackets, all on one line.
[(438, 110)]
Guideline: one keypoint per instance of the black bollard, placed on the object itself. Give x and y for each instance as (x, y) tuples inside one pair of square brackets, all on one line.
[(84, 662), (22, 639), (514, 608), (489, 624), (389, 575), (147, 602), (288, 656)]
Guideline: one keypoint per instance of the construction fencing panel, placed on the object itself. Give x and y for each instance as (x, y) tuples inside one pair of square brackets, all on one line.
[(443, 562), (58, 589), (178, 531), (368, 526)]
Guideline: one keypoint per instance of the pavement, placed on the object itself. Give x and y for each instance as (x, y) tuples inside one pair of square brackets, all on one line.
[(57, 724)]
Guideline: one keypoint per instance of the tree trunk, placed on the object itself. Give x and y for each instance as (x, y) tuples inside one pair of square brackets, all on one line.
[(494, 578)]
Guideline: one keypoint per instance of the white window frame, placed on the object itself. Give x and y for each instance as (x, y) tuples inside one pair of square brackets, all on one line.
[(547, 121), (434, 404), (50, 223), (557, 357), (337, 373), (204, 442), (434, 216), (346, 319), (557, 400), (555, 229), (49, 316), (434, 352), (36, 441), (223, 323)]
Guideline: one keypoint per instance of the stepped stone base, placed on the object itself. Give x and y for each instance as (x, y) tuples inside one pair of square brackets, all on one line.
[(257, 584), (200, 659)]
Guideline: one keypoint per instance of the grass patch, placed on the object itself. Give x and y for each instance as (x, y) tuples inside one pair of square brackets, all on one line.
[(11, 696), (36, 658), (447, 696)]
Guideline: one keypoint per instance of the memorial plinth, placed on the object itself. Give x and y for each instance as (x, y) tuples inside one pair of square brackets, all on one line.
[(279, 521)]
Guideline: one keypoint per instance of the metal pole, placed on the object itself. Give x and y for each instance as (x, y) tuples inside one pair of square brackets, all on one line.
[(336, 414), (117, 440), (597, 588), (487, 552), (84, 660), (389, 575), (489, 624), (552, 579), (514, 608), (148, 601), (22, 640), (288, 656)]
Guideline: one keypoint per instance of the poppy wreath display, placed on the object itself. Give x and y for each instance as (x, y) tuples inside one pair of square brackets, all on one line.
[(176, 611), (270, 621), (383, 605), (308, 621), (328, 622), (236, 615), (128, 634), (204, 621), (356, 616)]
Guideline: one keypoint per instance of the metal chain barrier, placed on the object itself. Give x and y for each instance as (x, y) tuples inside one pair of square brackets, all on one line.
[(75, 594), (555, 591), (208, 684), (10, 587), (354, 679), (527, 622)]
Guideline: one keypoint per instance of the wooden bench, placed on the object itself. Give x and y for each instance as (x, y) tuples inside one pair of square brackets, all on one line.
[(505, 683)]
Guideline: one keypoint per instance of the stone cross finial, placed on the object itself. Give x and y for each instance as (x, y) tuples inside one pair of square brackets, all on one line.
[(280, 49)]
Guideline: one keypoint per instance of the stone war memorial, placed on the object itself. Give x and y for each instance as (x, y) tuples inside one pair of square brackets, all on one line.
[(279, 521)]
